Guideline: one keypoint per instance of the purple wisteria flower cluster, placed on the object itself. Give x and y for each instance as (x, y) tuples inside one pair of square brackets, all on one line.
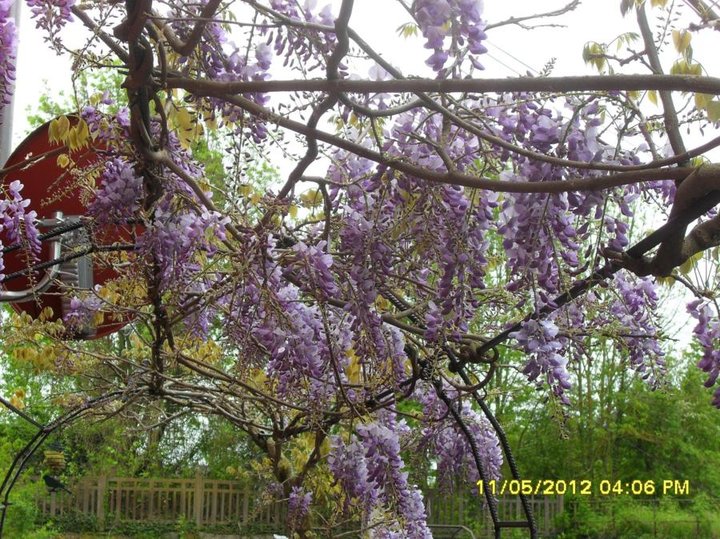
[(444, 440), (219, 58), (8, 52), (83, 310), (370, 470), (298, 46), (543, 233), (547, 363), (119, 194), (51, 15), (451, 26), (634, 312), (17, 224), (298, 507), (315, 265), (707, 333)]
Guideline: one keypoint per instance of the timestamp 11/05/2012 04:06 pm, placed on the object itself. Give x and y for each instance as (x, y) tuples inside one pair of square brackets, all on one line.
[(584, 487)]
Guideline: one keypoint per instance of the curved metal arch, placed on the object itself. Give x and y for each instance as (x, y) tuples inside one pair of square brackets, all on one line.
[(18, 296)]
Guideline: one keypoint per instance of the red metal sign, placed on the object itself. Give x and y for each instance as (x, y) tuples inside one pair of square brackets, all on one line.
[(53, 188)]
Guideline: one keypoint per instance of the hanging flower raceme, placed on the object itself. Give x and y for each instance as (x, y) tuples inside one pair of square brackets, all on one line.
[(298, 507), (17, 225), (633, 312), (540, 340), (707, 333), (120, 192), (443, 19), (51, 15), (370, 470), (314, 265), (297, 46), (446, 441), (8, 52)]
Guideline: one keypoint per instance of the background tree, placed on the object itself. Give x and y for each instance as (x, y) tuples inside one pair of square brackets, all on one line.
[(462, 228)]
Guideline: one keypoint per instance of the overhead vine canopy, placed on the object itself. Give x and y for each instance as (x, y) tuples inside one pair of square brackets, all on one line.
[(418, 235)]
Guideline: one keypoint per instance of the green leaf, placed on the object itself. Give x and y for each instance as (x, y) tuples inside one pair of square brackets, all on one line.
[(407, 30), (626, 39), (594, 55)]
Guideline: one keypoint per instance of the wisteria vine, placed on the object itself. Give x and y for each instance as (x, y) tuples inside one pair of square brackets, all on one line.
[(345, 304)]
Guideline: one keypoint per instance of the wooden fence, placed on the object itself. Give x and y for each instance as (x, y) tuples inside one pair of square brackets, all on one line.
[(203, 501), (237, 505)]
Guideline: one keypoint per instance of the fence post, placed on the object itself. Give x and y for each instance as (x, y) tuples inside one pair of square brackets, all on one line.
[(655, 520), (198, 498), (101, 487), (245, 505)]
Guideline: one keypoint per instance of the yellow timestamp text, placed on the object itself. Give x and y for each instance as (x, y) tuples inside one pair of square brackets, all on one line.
[(584, 487)]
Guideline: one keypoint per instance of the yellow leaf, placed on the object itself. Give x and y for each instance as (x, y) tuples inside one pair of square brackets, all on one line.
[(293, 211), (681, 40), (188, 127), (78, 136), (259, 379), (680, 67), (702, 100), (311, 198), (353, 370), (653, 97), (58, 129), (658, 3), (63, 160), (594, 54), (83, 133), (17, 402), (407, 30), (690, 263), (713, 110)]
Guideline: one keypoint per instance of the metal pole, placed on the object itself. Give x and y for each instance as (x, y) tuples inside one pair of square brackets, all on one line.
[(6, 127)]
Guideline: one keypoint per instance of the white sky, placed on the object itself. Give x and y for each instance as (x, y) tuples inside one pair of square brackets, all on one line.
[(37, 64), (512, 51)]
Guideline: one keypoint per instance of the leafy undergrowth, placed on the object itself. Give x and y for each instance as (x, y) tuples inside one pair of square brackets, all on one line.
[(639, 519)]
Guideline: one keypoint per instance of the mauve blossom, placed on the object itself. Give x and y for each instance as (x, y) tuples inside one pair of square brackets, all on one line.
[(17, 224), (440, 18), (119, 194), (546, 364), (8, 52), (370, 470), (707, 334)]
